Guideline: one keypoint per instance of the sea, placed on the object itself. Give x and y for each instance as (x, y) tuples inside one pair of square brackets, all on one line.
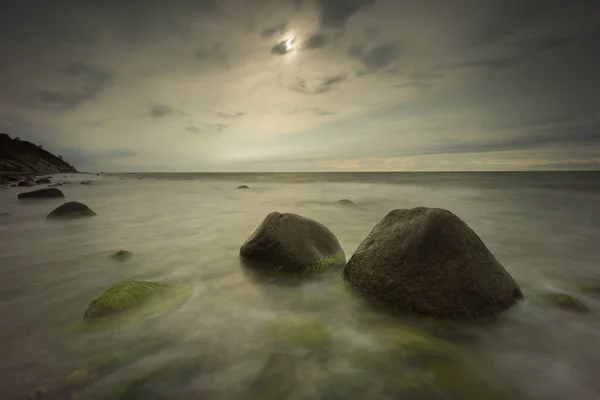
[(241, 335)]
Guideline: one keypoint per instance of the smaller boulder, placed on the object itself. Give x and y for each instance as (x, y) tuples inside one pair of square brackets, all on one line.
[(86, 182), (55, 185), (566, 302), (43, 180), (293, 244), (24, 184), (47, 193), (121, 255), (72, 209), (123, 297), (243, 187), (346, 202)]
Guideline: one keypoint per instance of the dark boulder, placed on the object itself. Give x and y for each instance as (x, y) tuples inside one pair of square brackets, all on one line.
[(346, 202), (293, 244), (48, 193), (86, 182), (43, 180), (71, 209), (243, 187), (55, 185), (428, 261), (566, 302), (25, 184), (121, 255)]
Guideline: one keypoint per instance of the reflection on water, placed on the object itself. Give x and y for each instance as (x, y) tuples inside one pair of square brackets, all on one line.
[(242, 335)]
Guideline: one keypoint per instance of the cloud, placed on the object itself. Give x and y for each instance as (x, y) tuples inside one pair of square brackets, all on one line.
[(230, 115), (91, 80), (326, 84), (568, 165), (493, 63), (193, 129), (335, 13), (283, 47), (376, 58), (159, 110), (206, 128), (318, 111), (215, 51), (316, 41), (271, 31)]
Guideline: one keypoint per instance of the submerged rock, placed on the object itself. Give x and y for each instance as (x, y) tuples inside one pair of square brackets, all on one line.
[(566, 302), (72, 209), (47, 193), (86, 182), (123, 297), (43, 180), (428, 261), (243, 187), (121, 255), (346, 202), (293, 244)]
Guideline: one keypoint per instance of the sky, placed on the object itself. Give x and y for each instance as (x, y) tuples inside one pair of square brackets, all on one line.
[(304, 85)]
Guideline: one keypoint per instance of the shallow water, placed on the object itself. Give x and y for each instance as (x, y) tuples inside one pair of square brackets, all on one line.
[(225, 341)]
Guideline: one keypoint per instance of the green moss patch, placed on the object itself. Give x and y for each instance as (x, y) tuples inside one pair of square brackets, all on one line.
[(133, 301)]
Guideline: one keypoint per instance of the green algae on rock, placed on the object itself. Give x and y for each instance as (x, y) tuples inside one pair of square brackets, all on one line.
[(293, 244), (145, 298), (71, 209), (566, 302)]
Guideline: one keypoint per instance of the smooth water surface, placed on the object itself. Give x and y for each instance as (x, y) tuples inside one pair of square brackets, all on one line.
[(226, 342)]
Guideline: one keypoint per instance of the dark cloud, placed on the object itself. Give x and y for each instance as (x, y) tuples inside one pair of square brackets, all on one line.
[(493, 63), (526, 49), (217, 51), (159, 110), (298, 4), (376, 58), (230, 115), (91, 81), (318, 111), (271, 31), (335, 13), (283, 47), (316, 41), (193, 129), (328, 82)]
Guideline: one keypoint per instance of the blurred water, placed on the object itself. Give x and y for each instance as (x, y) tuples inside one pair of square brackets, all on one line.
[(543, 227)]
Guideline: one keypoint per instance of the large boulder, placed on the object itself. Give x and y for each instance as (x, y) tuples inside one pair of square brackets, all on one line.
[(71, 209), (293, 244), (428, 261), (48, 193)]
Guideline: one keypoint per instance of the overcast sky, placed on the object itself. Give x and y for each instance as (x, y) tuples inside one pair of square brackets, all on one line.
[(313, 85)]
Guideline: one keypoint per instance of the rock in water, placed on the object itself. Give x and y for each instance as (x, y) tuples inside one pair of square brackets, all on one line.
[(121, 255), (123, 297), (294, 244), (243, 187), (49, 193), (24, 184), (566, 302), (43, 180), (71, 209), (428, 261), (346, 202)]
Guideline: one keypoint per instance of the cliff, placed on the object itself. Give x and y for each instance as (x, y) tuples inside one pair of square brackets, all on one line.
[(22, 157)]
